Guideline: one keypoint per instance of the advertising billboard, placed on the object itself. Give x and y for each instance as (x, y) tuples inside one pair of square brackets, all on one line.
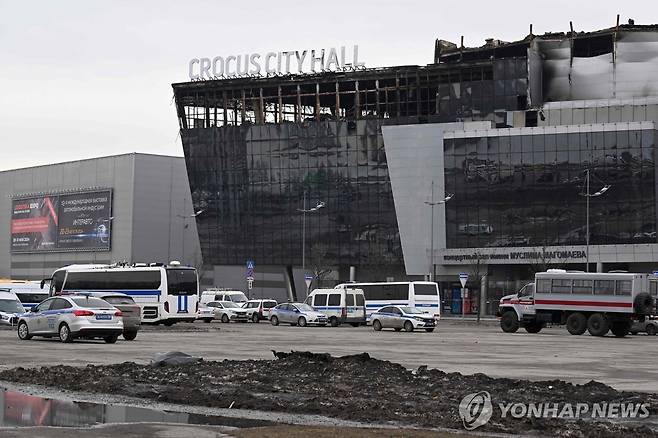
[(64, 222)]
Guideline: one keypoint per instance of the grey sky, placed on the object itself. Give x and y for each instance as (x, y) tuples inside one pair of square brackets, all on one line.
[(88, 78)]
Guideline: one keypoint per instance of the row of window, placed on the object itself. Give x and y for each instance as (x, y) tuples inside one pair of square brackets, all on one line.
[(585, 287), (334, 300)]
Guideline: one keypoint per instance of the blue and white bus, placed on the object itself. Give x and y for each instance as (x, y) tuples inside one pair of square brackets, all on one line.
[(166, 293), (424, 295)]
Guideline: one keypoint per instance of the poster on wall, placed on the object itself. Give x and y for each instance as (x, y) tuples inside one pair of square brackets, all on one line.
[(66, 222), (34, 224)]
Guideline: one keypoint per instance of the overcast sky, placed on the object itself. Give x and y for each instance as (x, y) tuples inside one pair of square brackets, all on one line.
[(87, 78)]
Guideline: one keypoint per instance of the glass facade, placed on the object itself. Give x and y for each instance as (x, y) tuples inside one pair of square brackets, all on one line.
[(253, 147), (250, 181), (524, 190)]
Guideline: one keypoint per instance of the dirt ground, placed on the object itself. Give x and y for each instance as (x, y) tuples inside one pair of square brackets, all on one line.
[(355, 387)]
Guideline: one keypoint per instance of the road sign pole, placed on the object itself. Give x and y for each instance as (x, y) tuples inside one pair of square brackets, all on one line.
[(463, 279)]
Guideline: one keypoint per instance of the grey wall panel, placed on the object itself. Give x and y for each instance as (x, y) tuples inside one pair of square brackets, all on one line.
[(163, 222), (415, 158)]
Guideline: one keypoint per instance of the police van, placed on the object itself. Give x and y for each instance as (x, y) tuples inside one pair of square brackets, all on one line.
[(345, 305)]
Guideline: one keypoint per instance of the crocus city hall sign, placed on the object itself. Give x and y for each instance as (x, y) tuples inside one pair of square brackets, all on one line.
[(273, 63)]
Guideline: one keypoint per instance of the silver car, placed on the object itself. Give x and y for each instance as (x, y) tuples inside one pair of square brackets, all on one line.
[(402, 317), (72, 316), (300, 314)]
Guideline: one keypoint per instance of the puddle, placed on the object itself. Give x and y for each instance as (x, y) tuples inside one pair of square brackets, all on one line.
[(20, 409)]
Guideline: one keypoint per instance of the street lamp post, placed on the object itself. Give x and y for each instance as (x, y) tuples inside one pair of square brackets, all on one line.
[(588, 195), (432, 203), (305, 210), (185, 217)]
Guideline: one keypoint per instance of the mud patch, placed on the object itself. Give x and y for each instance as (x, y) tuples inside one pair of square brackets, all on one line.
[(356, 387)]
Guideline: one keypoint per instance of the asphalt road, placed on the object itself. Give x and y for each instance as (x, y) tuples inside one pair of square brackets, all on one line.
[(626, 364)]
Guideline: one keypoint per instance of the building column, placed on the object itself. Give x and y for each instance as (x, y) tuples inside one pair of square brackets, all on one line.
[(599, 266)]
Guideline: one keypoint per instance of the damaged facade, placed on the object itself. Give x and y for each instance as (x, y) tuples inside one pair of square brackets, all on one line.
[(509, 128)]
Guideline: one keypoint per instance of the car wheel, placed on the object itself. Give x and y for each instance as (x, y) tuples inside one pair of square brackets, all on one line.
[(429, 330), (23, 332), (576, 323), (534, 327), (111, 339), (301, 321), (651, 330), (254, 317), (65, 334), (597, 324), (225, 318), (130, 335), (376, 325), (509, 323), (408, 326), (274, 320), (333, 321)]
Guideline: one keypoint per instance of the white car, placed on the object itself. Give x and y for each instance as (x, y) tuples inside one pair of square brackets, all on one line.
[(402, 317), (72, 316), (227, 311), (258, 310), (10, 308), (205, 313)]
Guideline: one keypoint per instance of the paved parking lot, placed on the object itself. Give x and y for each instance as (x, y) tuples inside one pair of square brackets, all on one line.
[(465, 347)]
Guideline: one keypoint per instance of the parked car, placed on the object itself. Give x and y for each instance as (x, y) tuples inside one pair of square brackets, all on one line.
[(300, 314), (648, 326), (227, 311), (10, 307), (235, 296), (131, 311), (340, 305), (402, 317), (70, 317), (205, 313), (258, 310)]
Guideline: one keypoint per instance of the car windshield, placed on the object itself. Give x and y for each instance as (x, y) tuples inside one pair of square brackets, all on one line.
[(304, 307), (239, 298), (411, 310), (11, 306), (92, 303), (119, 300), (230, 305)]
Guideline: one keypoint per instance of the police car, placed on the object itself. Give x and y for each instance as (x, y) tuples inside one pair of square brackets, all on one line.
[(72, 316), (402, 317)]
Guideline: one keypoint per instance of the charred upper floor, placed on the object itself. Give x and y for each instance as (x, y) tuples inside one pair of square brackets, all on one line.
[(463, 84)]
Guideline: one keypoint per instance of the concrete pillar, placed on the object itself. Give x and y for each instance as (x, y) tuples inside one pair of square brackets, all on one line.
[(599, 266), (352, 273), (482, 310)]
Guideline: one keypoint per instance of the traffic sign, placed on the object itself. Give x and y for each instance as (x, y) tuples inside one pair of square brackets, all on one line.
[(463, 278), (250, 278), (308, 278), (250, 269)]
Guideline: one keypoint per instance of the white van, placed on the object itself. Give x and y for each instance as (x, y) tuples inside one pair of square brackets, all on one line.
[(210, 295), (340, 305), (10, 307)]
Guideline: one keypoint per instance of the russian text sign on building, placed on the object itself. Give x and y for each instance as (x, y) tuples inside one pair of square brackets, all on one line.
[(276, 63)]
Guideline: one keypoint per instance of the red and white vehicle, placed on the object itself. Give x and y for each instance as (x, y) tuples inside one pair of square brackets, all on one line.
[(583, 301)]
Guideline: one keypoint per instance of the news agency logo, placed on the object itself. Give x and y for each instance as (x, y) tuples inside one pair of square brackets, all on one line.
[(475, 410)]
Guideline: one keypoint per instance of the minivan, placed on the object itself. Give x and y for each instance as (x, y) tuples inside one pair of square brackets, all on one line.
[(236, 296), (340, 305)]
